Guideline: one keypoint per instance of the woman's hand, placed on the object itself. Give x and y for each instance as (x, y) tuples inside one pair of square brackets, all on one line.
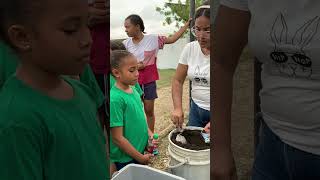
[(177, 118)]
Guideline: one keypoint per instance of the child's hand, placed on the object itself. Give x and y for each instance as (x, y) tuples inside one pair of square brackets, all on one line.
[(146, 158), (188, 22), (155, 142), (98, 13), (207, 128), (141, 65)]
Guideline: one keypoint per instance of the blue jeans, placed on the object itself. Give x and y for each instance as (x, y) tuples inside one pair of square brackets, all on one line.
[(276, 160), (122, 165), (197, 116)]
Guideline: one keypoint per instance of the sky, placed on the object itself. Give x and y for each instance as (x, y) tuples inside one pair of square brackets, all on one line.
[(153, 20)]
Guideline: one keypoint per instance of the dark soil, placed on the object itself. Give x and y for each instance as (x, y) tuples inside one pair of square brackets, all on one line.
[(194, 139)]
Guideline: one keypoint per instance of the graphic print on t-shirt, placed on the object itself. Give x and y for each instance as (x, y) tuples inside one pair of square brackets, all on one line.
[(200, 77), (289, 55)]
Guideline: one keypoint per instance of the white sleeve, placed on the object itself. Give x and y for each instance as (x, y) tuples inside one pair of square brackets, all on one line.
[(124, 42), (185, 54), (236, 4)]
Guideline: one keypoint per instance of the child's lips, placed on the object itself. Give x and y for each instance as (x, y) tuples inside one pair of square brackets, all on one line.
[(85, 59)]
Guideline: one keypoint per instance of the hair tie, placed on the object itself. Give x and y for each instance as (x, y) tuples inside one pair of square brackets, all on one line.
[(203, 6)]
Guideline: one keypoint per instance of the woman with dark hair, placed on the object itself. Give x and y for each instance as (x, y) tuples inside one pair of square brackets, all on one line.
[(194, 62), (145, 47)]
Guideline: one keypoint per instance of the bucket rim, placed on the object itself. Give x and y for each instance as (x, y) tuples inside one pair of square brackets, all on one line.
[(188, 150)]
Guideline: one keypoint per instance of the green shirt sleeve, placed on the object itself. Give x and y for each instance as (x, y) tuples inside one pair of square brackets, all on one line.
[(138, 88), (20, 154), (117, 110)]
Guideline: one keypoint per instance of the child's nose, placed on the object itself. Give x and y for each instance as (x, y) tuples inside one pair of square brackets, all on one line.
[(86, 39)]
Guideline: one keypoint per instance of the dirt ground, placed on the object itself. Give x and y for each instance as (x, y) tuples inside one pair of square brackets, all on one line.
[(242, 119), (163, 109)]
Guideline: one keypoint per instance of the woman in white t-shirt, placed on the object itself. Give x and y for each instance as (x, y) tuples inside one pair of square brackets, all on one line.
[(194, 62), (145, 48), (285, 37)]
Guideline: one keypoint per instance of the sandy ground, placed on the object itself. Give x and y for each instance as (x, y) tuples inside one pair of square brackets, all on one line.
[(163, 109)]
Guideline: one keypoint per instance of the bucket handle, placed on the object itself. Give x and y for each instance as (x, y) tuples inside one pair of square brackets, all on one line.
[(179, 164)]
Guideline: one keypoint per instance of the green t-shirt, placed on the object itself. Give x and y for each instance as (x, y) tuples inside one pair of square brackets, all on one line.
[(9, 63), (126, 110), (137, 86), (88, 78), (43, 138)]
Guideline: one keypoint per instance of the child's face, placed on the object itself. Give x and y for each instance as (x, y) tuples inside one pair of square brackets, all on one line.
[(128, 72), (61, 42)]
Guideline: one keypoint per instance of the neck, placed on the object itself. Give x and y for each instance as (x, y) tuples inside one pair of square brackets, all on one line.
[(36, 77), (206, 51), (138, 37), (48, 83), (122, 86)]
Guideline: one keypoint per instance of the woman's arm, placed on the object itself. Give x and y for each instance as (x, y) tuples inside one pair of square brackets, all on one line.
[(177, 84), (229, 40), (178, 34)]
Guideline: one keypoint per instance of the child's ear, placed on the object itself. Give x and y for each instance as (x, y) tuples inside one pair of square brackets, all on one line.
[(20, 38), (116, 73)]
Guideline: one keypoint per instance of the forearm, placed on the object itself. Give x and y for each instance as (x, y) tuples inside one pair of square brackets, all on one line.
[(177, 35), (177, 91), (222, 96), (228, 37), (126, 147)]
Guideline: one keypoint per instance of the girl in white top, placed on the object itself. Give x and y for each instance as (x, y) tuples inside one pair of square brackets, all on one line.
[(283, 35), (145, 48), (195, 63)]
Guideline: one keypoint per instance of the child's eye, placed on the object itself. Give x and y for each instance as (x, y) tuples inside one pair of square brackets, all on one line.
[(69, 32)]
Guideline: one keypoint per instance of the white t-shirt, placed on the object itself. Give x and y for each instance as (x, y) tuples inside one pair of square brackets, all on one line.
[(285, 36), (198, 73), (146, 51)]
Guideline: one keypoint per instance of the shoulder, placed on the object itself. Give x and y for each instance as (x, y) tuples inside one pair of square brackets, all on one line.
[(127, 41), (18, 111), (191, 47), (151, 37), (115, 94), (86, 93)]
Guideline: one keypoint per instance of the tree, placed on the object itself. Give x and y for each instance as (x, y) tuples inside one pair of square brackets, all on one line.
[(177, 13)]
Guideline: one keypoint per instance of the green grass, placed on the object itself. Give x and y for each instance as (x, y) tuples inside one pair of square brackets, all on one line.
[(165, 77)]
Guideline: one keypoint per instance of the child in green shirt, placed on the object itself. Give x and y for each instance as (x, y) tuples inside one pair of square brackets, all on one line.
[(128, 124), (48, 125)]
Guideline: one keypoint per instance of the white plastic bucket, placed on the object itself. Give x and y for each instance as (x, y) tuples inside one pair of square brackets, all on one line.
[(189, 164), (142, 172)]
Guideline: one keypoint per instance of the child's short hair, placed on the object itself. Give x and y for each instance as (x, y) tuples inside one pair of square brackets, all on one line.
[(117, 57), (117, 45)]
